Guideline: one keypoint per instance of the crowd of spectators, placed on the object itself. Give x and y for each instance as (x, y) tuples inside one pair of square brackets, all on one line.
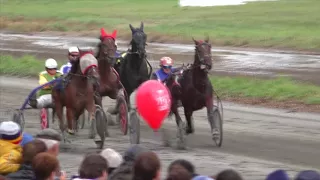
[(24, 157)]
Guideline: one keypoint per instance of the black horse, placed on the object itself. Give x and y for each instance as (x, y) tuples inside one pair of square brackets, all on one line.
[(134, 65), (193, 88)]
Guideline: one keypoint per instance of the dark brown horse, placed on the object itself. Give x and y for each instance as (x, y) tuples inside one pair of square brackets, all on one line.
[(79, 92), (194, 88)]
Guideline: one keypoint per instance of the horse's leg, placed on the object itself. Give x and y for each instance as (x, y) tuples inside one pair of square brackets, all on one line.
[(180, 125), (188, 113), (91, 115), (209, 106), (70, 119)]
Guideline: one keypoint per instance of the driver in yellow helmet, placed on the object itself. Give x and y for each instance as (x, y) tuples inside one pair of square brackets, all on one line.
[(44, 95)]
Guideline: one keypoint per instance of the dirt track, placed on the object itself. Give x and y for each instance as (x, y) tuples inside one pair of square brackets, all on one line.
[(256, 140)]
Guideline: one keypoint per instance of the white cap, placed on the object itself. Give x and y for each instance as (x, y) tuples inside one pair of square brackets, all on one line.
[(113, 157), (73, 50), (9, 128), (51, 63)]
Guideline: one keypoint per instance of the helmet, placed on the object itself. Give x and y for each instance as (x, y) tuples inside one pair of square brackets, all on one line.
[(166, 61), (73, 50), (51, 63)]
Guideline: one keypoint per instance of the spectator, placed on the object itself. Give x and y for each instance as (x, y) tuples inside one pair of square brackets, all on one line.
[(26, 138), (113, 157), (93, 166), (308, 175), (147, 167), (10, 150), (278, 175), (44, 166), (30, 150), (52, 140), (179, 173), (125, 170), (185, 164), (228, 174), (200, 177)]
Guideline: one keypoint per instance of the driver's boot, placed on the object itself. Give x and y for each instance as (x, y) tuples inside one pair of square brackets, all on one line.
[(33, 103)]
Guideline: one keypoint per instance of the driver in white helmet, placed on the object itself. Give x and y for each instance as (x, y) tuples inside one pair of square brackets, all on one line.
[(44, 95), (73, 55)]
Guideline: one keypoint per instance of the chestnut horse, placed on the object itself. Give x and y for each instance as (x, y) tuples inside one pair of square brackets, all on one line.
[(79, 93)]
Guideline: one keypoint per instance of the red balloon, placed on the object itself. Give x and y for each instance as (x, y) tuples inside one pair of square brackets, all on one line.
[(153, 102)]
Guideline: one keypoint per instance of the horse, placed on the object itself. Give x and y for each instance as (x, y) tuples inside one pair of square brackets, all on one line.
[(134, 66), (79, 93), (109, 78), (193, 88)]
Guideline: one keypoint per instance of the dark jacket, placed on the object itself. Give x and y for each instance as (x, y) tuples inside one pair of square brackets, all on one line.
[(25, 172), (123, 172)]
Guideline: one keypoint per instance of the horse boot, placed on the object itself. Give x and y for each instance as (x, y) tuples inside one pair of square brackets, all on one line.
[(70, 131)]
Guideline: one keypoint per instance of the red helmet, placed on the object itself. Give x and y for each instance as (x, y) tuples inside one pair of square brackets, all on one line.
[(166, 61)]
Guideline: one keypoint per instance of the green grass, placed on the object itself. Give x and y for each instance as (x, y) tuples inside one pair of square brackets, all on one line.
[(280, 24), (279, 89)]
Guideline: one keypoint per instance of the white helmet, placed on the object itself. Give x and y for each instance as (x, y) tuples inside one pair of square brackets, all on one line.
[(51, 63), (73, 50)]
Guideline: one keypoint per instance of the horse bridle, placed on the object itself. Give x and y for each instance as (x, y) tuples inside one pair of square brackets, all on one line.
[(106, 56), (202, 59)]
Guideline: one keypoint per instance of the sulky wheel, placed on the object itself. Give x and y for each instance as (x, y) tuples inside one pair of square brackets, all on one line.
[(18, 117), (134, 128), (44, 118), (101, 126), (123, 114), (219, 124)]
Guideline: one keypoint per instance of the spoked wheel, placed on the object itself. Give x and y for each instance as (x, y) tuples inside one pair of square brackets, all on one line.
[(101, 126), (219, 125), (123, 114), (134, 128), (18, 117), (44, 118)]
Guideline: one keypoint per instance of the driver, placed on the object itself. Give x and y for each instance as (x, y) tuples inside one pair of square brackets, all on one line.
[(50, 73), (165, 69), (73, 54)]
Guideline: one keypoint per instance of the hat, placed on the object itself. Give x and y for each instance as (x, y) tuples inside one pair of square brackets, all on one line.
[(308, 175), (202, 178), (73, 50), (278, 175), (133, 152), (49, 134), (113, 157), (10, 131)]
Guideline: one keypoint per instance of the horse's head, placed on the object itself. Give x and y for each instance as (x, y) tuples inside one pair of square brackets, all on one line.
[(107, 47), (203, 58), (139, 40)]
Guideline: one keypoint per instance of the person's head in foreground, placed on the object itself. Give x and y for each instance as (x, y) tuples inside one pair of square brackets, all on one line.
[(147, 167), (228, 174), (182, 163), (133, 152), (278, 175), (10, 132), (93, 166), (179, 173), (308, 175), (52, 140), (113, 157), (31, 149), (44, 166)]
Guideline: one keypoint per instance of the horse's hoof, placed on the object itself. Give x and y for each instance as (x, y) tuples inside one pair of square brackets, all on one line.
[(189, 131), (99, 144)]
